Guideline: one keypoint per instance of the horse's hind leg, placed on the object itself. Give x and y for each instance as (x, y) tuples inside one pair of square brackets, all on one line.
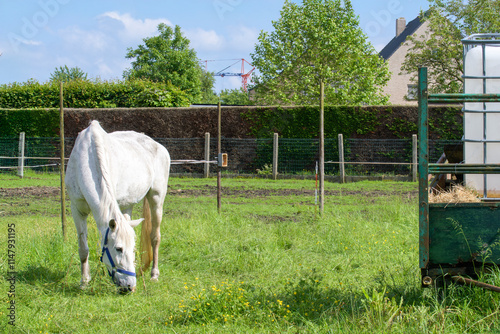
[(80, 220)]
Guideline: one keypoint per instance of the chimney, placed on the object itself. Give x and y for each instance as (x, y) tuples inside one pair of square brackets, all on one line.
[(400, 25)]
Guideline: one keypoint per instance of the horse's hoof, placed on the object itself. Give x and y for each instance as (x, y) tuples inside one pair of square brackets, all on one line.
[(155, 273), (83, 285)]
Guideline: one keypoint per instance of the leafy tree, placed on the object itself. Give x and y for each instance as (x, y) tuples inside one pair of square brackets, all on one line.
[(440, 49), (66, 74), (208, 95), (167, 58), (313, 41), (235, 97)]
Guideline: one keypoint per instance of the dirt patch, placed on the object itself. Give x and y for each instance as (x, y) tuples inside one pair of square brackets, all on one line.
[(208, 190), (30, 192)]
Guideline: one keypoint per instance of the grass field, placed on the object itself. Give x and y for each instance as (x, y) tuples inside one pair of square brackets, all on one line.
[(267, 264)]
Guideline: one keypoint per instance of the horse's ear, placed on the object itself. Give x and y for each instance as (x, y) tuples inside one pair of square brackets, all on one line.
[(136, 222), (112, 224)]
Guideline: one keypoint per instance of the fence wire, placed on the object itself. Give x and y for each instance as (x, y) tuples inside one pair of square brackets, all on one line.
[(252, 156)]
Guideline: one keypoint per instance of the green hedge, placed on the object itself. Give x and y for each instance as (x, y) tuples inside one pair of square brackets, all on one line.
[(382, 122), (445, 122), (303, 122), (34, 122), (88, 94)]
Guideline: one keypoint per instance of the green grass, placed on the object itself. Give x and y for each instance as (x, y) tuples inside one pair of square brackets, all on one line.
[(30, 179), (267, 264)]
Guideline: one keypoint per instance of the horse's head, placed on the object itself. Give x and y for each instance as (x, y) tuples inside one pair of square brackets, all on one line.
[(118, 253)]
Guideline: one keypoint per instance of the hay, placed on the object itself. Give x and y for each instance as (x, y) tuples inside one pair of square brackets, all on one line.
[(457, 194)]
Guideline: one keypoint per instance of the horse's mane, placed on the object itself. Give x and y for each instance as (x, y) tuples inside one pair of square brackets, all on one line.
[(109, 208)]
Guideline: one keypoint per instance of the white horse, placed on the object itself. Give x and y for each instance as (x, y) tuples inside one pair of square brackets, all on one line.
[(106, 175)]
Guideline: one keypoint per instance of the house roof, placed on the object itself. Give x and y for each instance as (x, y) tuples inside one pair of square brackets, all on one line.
[(397, 41)]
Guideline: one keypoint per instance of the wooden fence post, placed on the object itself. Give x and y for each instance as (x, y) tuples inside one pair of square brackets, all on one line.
[(322, 149), (20, 162), (206, 168), (341, 158), (219, 149), (414, 158), (63, 186), (275, 156)]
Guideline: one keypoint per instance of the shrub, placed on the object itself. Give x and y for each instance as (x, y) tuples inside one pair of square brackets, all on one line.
[(92, 94)]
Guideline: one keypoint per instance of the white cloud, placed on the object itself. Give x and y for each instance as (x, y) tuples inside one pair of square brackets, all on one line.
[(240, 39), (103, 69), (135, 29), (91, 40), (227, 83), (30, 42), (15, 41), (205, 40), (243, 38), (100, 49)]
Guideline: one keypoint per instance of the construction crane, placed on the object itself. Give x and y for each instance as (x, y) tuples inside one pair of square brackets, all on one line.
[(244, 76)]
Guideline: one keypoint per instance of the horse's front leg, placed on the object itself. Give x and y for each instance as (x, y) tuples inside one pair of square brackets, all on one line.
[(156, 216), (80, 220)]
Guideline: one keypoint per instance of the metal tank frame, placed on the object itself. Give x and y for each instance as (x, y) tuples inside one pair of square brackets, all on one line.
[(455, 238)]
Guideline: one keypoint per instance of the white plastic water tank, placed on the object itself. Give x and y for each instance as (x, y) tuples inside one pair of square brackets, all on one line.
[(481, 126)]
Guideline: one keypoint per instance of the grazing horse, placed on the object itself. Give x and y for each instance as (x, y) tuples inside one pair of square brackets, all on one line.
[(106, 175)]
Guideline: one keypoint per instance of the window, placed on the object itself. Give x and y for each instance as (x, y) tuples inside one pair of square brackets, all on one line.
[(412, 92)]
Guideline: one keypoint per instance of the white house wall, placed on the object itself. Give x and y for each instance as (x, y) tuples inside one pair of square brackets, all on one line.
[(397, 87)]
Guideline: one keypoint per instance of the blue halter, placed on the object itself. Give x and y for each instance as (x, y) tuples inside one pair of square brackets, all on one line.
[(114, 269)]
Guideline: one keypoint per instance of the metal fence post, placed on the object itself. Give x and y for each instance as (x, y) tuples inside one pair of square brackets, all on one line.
[(206, 168), (423, 168), (414, 158), (20, 163), (275, 156), (341, 158)]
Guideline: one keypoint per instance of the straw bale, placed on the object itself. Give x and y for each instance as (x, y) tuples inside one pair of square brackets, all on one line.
[(457, 194)]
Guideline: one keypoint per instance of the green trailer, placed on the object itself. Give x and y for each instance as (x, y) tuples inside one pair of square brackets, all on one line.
[(456, 239)]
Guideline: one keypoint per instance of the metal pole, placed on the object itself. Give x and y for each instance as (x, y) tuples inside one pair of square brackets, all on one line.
[(316, 189), (463, 280), (485, 122), (341, 158), (207, 155), (275, 156), (322, 148), (63, 188), (423, 168), (219, 186), (20, 163), (414, 158)]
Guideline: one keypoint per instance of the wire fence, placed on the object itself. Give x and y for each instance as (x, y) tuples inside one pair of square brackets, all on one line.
[(250, 156)]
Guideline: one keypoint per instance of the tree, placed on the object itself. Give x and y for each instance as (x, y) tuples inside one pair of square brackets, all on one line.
[(313, 41), (66, 74), (167, 58), (440, 49), (208, 95), (235, 97)]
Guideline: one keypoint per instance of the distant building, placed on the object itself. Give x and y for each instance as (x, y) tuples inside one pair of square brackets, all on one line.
[(400, 89)]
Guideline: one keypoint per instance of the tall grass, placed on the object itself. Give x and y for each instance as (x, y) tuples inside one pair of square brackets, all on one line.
[(269, 263)]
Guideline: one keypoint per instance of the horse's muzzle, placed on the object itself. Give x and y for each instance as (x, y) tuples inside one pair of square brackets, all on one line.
[(124, 290)]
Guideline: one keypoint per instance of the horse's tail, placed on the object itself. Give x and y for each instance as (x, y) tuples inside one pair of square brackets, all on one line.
[(146, 248)]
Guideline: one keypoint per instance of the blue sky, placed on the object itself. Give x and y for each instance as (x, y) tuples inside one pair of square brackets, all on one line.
[(41, 35)]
